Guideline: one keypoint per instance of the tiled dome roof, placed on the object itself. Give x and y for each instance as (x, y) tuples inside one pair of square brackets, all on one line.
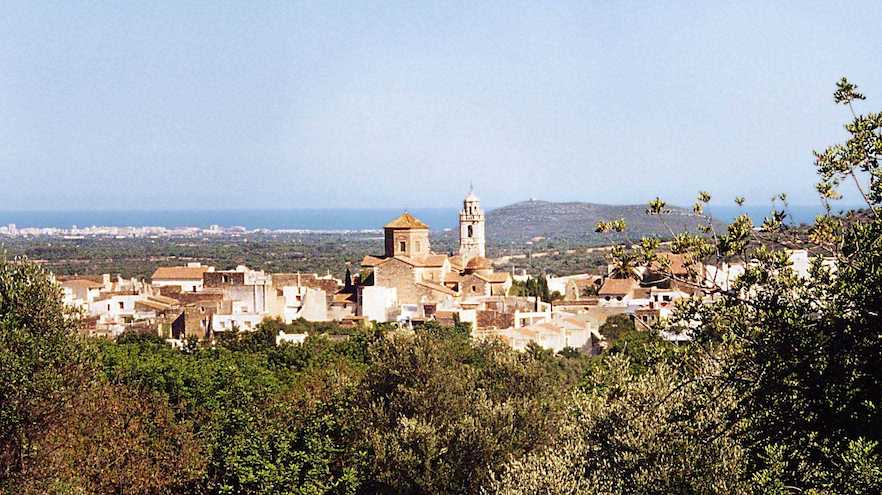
[(478, 263), (406, 221)]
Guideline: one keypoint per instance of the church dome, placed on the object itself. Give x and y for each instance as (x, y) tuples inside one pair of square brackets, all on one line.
[(406, 221), (478, 263), (471, 198)]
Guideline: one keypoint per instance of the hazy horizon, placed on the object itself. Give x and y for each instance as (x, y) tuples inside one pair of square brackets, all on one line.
[(438, 218), (332, 105)]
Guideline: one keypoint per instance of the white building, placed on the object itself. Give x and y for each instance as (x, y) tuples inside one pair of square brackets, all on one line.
[(80, 293), (246, 322), (556, 333), (304, 302), (378, 303)]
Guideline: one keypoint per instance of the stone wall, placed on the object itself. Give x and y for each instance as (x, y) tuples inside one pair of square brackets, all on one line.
[(220, 279), (416, 242), (472, 286), (399, 275), (306, 280), (494, 319)]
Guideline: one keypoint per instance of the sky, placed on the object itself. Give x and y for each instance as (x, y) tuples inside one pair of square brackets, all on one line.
[(181, 105)]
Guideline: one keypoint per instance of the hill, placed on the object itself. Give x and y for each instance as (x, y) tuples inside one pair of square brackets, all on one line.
[(576, 221)]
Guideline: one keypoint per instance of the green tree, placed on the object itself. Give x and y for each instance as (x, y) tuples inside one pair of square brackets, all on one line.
[(434, 412), (42, 362), (615, 327)]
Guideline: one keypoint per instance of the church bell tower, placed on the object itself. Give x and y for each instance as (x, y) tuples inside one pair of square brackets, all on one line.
[(471, 228)]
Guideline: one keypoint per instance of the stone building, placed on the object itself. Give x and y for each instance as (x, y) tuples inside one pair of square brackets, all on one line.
[(406, 236)]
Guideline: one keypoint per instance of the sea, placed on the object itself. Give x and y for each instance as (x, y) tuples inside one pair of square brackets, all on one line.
[(329, 219)]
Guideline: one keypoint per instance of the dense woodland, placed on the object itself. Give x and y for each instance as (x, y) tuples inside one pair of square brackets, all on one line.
[(778, 391)]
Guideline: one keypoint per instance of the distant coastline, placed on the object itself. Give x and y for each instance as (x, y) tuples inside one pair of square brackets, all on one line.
[(313, 220)]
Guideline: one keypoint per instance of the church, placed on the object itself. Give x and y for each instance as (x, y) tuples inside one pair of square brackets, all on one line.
[(426, 279)]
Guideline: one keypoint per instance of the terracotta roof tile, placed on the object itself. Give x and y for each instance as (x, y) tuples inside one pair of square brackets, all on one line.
[(179, 273), (498, 277), (369, 261), (642, 292), (152, 304), (164, 299), (677, 265), (614, 286), (406, 221), (478, 263), (494, 278), (584, 282), (437, 287), (79, 282), (432, 260)]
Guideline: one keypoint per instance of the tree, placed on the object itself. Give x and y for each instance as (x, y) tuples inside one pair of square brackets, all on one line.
[(433, 412), (615, 327), (63, 428), (112, 440), (661, 431), (624, 264), (42, 362), (533, 287)]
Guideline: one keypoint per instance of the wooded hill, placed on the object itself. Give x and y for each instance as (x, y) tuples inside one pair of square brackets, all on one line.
[(575, 221)]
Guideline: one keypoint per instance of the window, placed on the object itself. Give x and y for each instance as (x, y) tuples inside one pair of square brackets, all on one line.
[(402, 246), (121, 305), (474, 288), (471, 231), (416, 245)]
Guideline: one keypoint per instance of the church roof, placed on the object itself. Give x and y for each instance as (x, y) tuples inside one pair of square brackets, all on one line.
[(433, 260), (471, 197), (495, 277), (478, 263), (428, 261), (369, 261), (406, 221), (436, 287)]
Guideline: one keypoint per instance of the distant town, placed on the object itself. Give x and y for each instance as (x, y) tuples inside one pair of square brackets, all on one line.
[(407, 284), (75, 232)]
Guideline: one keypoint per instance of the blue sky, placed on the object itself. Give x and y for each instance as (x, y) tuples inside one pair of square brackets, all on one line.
[(172, 105)]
